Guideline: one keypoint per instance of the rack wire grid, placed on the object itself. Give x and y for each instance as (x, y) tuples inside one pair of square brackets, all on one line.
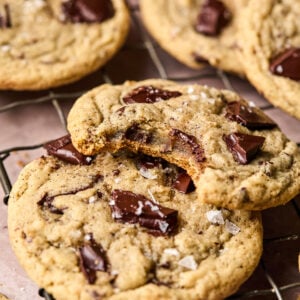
[(277, 275)]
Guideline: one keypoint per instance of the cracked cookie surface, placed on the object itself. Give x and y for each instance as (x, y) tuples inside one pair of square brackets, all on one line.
[(41, 48), (174, 25), (65, 234), (269, 31), (236, 155)]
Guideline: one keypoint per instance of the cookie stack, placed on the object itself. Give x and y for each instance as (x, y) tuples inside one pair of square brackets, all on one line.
[(252, 38), (155, 194)]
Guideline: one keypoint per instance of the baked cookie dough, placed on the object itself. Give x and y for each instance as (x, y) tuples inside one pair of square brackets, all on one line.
[(49, 43), (194, 31), (270, 34), (126, 227), (236, 155)]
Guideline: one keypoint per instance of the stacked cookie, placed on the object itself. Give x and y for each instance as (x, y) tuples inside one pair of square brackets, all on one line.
[(155, 194), (49, 43), (258, 39)]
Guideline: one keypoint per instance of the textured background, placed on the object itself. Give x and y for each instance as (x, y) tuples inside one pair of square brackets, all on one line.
[(30, 119)]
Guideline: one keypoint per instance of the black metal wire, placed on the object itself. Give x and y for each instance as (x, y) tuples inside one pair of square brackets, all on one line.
[(55, 98)]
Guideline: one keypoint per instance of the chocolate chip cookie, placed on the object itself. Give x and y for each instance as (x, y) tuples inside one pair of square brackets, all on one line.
[(237, 156), (126, 226), (196, 31), (50, 43), (270, 37)]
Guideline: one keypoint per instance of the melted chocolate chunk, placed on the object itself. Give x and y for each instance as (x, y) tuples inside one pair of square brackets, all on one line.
[(64, 149), (5, 19), (92, 258), (189, 140), (287, 64), (243, 146), (134, 133), (149, 94), (184, 183), (148, 162), (87, 11), (213, 17), (247, 116), (46, 202), (128, 207)]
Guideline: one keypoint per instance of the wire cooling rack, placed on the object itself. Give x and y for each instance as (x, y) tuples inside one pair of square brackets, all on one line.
[(265, 283)]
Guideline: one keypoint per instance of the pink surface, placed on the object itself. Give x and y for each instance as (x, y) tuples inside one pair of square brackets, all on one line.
[(35, 123)]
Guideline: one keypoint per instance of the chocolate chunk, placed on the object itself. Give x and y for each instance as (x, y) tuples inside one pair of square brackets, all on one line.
[(184, 183), (5, 20), (247, 116), (213, 17), (149, 94), (243, 146), (148, 162), (64, 149), (134, 133), (46, 202), (87, 11), (287, 64), (92, 258), (128, 207), (188, 140)]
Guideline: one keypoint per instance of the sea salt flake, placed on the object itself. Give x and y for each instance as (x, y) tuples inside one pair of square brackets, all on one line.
[(5, 48), (252, 104), (194, 97), (215, 216), (171, 251), (147, 173), (152, 196), (188, 262), (203, 95), (232, 228), (117, 180), (87, 237), (190, 90), (92, 199), (139, 210)]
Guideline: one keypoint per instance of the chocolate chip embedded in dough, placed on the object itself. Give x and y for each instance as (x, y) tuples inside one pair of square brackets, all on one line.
[(149, 94), (64, 150), (248, 116), (213, 17), (87, 11), (243, 147), (128, 207), (287, 64)]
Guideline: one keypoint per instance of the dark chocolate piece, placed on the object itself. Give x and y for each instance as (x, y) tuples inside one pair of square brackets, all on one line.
[(247, 116), (46, 202), (92, 258), (189, 140), (149, 94), (287, 64), (243, 146), (134, 133), (87, 11), (148, 162), (5, 20), (213, 17), (64, 149), (128, 207), (184, 183)]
